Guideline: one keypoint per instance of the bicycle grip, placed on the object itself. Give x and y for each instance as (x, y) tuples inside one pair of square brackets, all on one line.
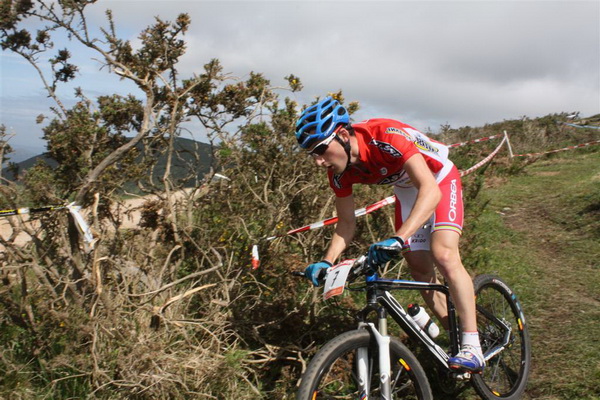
[(392, 249), (321, 276)]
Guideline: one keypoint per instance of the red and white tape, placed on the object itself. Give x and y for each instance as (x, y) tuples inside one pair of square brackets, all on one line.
[(474, 141), (391, 199), (329, 221), (557, 150), (485, 160)]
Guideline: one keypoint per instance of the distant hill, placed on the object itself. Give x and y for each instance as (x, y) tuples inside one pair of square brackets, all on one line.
[(190, 154), (13, 174)]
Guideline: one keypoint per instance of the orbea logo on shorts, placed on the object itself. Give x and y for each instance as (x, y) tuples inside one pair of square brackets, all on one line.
[(452, 212)]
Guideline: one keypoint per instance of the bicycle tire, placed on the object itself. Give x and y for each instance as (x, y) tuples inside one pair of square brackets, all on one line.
[(330, 373), (505, 375)]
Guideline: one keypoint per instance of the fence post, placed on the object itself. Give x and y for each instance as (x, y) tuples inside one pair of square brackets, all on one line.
[(508, 144)]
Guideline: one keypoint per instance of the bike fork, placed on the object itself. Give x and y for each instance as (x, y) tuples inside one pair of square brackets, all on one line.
[(383, 345)]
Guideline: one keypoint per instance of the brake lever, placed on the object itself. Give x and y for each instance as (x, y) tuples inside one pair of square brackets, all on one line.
[(358, 267)]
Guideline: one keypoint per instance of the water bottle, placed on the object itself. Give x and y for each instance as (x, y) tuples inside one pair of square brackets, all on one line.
[(420, 316)]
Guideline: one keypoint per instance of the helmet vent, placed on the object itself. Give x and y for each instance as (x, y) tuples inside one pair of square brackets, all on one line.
[(318, 121)]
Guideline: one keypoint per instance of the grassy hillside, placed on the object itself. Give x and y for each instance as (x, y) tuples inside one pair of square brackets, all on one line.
[(541, 231)]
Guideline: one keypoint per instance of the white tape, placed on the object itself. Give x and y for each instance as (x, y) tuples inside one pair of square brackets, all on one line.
[(83, 226)]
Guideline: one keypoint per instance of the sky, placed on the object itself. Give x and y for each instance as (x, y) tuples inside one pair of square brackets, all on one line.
[(426, 63)]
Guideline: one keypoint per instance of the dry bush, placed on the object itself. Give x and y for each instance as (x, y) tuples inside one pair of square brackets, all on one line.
[(171, 309)]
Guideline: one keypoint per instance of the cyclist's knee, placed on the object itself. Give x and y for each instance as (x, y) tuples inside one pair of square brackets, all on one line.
[(446, 256), (449, 264), (444, 249), (453, 272), (447, 260)]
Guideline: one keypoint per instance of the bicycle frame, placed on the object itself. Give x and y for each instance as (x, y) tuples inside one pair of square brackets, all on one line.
[(380, 300), (379, 297)]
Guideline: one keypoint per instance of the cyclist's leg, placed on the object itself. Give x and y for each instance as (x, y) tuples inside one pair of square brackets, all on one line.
[(444, 246), (447, 228), (422, 269), (418, 254), (445, 236)]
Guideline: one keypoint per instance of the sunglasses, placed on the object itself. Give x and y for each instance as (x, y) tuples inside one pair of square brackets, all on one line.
[(321, 148)]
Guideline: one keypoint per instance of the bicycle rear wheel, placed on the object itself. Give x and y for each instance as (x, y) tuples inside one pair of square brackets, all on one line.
[(332, 372), (499, 314)]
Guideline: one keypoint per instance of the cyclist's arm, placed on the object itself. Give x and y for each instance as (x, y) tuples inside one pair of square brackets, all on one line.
[(428, 197), (344, 230)]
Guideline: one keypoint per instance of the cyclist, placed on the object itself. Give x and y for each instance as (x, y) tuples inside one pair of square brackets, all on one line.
[(429, 208)]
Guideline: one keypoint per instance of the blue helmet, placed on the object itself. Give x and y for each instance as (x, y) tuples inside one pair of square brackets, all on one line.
[(319, 121)]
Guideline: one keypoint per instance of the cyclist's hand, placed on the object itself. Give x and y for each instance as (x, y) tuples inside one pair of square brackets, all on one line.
[(384, 251), (312, 271)]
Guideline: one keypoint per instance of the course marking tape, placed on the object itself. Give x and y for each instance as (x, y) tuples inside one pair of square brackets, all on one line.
[(582, 126), (474, 141), (73, 210), (557, 150), (27, 210), (484, 161)]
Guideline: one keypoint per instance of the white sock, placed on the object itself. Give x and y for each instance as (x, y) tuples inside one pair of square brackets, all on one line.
[(472, 339)]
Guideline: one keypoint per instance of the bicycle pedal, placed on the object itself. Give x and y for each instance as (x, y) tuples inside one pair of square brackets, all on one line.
[(464, 376)]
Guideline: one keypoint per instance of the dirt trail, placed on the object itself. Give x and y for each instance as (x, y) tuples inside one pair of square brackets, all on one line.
[(562, 293)]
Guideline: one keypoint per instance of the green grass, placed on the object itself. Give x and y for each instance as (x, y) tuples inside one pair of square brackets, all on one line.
[(540, 231)]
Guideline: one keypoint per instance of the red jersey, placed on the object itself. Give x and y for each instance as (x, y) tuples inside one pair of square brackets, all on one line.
[(384, 146)]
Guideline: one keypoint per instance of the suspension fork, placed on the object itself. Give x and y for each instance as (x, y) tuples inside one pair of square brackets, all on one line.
[(382, 339), (385, 368)]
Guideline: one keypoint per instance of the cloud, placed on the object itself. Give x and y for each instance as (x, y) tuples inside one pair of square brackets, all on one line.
[(425, 62)]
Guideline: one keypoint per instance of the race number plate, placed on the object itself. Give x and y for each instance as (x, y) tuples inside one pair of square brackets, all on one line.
[(336, 279)]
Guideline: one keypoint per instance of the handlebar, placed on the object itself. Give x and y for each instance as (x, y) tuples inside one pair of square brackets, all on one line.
[(360, 266), (322, 274), (357, 269)]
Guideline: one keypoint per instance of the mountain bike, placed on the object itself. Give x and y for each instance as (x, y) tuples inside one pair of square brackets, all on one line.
[(367, 363)]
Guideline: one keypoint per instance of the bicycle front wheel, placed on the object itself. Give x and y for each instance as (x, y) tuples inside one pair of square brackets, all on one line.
[(332, 374), (500, 319)]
